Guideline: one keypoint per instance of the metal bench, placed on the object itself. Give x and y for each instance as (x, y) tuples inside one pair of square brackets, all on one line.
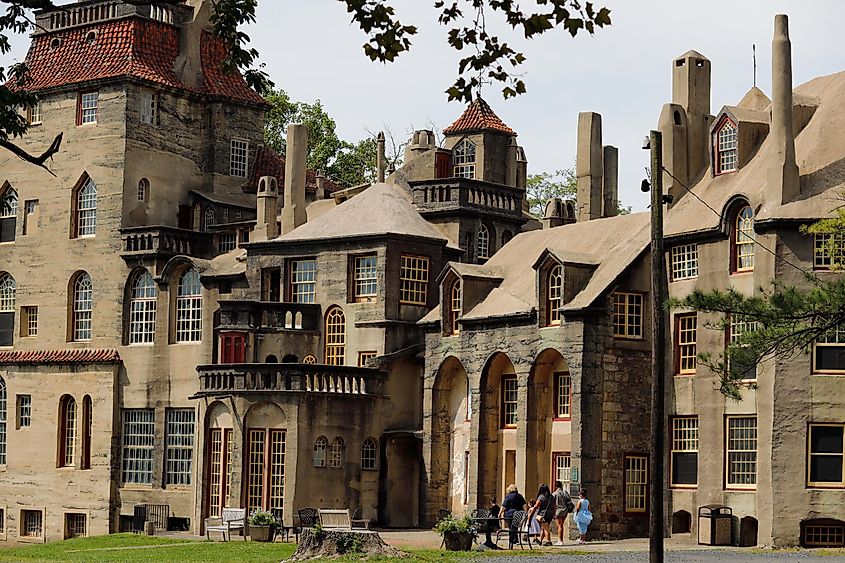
[(231, 519)]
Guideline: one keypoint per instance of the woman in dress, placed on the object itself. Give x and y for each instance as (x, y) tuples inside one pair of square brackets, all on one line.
[(583, 516), (542, 513)]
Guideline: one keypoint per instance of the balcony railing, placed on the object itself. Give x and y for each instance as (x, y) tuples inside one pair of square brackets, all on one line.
[(165, 241), (273, 315), (453, 193), (221, 379)]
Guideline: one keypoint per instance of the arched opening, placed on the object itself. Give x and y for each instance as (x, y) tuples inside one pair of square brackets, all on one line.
[(264, 458), (87, 425), (219, 447), (450, 436), (8, 292), (67, 431), (81, 307), (335, 335), (8, 213), (549, 430), (271, 359), (748, 531), (742, 238), (290, 359), (681, 522), (463, 159), (498, 421), (143, 293)]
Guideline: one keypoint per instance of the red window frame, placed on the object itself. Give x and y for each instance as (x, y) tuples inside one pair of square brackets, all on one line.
[(232, 347)]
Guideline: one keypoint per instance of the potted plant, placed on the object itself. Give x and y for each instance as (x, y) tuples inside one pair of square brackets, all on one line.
[(457, 532), (261, 525)]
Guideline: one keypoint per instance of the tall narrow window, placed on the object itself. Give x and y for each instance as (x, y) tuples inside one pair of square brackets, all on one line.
[(142, 309), (826, 456), (335, 337), (2, 421), (271, 282), (220, 441), (238, 158), (743, 241), (24, 411), (8, 291), (189, 307), (8, 213), (255, 470), (30, 220), (83, 308), (265, 470), (67, 434), (741, 454), (455, 305), (684, 262), (179, 438), (143, 190), (336, 453), (365, 271), (208, 220), (86, 209), (686, 326), (33, 113), (563, 395), (726, 147), (463, 159), (482, 244), (149, 108), (303, 281), (87, 430), (138, 446), (627, 315), (88, 108), (321, 445), (510, 401), (684, 470), (369, 452), (413, 280), (636, 483), (562, 468), (554, 293)]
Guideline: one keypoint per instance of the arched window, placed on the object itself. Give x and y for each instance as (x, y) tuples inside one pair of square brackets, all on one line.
[(87, 424), (8, 213), (189, 307), (320, 447), (8, 289), (309, 359), (368, 454), (208, 219), (82, 308), (2, 421), (335, 337), (455, 305), (336, 453), (142, 309), (554, 284), (86, 209), (482, 243), (463, 159), (725, 145), (743, 240), (67, 431), (144, 190)]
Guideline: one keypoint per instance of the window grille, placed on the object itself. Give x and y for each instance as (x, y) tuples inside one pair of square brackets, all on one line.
[(827, 534), (24, 411), (142, 310), (365, 357), (86, 209), (368, 454), (685, 332), (88, 103), (8, 290), (189, 307), (554, 293), (482, 246), (255, 470), (413, 280), (138, 443), (303, 284), (238, 158), (277, 470), (75, 525), (726, 142), (83, 307), (309, 359), (684, 262), (34, 113), (68, 431), (335, 337), (455, 306), (510, 400), (562, 464), (636, 483), (742, 452), (826, 456), (143, 189), (149, 108), (2, 421), (336, 453), (627, 315), (179, 429), (563, 395), (208, 219), (744, 240), (227, 242), (33, 523), (321, 446), (9, 204), (463, 159), (829, 352), (366, 276), (829, 250), (684, 460)]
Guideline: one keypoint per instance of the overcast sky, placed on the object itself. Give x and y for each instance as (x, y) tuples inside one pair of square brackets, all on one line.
[(622, 72)]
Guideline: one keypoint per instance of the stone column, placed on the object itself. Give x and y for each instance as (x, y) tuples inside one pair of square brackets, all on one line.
[(589, 167), (522, 444), (380, 158), (783, 172), (293, 213), (610, 182)]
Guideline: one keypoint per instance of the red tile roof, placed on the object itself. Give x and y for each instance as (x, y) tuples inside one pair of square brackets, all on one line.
[(83, 356), (270, 163), (478, 117), (129, 48)]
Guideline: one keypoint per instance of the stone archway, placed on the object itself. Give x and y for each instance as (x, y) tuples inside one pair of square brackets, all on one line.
[(497, 449), (450, 436), (548, 428)]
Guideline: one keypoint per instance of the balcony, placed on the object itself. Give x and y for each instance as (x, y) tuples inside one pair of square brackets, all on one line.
[(451, 194), (165, 241), (269, 316), (224, 379)]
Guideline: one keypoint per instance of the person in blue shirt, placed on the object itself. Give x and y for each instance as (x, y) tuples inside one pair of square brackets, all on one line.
[(583, 516)]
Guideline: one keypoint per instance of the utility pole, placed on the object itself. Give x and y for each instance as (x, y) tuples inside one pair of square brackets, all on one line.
[(659, 292)]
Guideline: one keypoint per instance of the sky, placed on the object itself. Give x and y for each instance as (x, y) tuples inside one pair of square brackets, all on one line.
[(622, 72)]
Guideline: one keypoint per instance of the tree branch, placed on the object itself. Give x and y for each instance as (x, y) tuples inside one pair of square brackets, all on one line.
[(37, 160)]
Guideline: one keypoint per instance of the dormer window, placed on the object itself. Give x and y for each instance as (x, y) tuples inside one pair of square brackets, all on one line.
[(463, 159), (455, 305), (554, 285), (725, 153)]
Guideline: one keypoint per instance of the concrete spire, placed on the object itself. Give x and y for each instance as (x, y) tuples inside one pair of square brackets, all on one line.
[(610, 182), (589, 166), (783, 171), (293, 213), (380, 158), (691, 91)]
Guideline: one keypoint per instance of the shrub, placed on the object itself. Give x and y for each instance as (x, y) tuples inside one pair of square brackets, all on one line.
[(261, 518), (453, 523)]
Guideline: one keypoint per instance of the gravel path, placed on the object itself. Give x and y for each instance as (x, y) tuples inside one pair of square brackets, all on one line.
[(679, 557)]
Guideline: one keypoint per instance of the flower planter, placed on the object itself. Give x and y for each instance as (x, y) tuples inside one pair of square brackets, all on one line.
[(260, 533), (457, 541)]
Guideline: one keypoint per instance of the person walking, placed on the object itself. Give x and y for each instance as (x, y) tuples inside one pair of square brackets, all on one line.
[(583, 516), (513, 503), (543, 512), (563, 506)]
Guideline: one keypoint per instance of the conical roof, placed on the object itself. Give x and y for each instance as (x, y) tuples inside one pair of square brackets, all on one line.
[(478, 117)]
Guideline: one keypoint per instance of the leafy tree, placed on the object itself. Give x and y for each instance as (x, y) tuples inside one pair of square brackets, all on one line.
[(562, 184), (492, 59), (355, 163)]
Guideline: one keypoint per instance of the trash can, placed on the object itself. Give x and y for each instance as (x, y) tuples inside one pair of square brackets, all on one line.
[(714, 525)]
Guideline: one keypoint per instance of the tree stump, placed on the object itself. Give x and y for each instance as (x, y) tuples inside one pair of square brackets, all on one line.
[(315, 544)]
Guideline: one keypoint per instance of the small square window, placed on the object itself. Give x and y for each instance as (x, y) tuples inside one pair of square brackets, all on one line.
[(29, 321), (32, 524), (627, 315), (365, 357), (684, 262), (88, 107), (76, 525)]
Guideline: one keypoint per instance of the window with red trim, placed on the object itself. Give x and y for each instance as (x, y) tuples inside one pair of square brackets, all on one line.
[(725, 154), (232, 348)]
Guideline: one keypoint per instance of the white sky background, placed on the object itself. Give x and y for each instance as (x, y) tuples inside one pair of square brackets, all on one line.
[(622, 72)]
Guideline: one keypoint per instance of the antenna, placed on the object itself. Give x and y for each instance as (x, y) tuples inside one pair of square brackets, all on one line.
[(754, 57)]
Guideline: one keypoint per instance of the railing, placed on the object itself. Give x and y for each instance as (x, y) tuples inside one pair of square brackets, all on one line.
[(294, 378), (269, 315), (93, 11), (70, 16), (452, 193), (165, 240)]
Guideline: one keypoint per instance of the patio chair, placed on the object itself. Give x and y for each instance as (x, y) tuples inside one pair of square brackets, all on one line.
[(231, 519), (358, 522), (519, 520), (479, 514), (307, 518)]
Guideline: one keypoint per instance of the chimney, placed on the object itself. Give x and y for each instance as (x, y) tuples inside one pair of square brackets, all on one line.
[(783, 172), (321, 185), (589, 167), (267, 204), (511, 166), (188, 65), (691, 91), (674, 128), (380, 160), (293, 212), (610, 182), (422, 140)]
